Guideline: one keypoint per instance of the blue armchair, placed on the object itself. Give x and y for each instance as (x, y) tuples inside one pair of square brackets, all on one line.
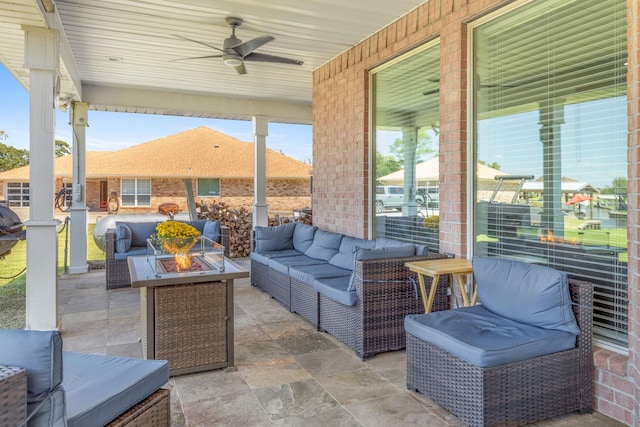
[(74, 389), (522, 355)]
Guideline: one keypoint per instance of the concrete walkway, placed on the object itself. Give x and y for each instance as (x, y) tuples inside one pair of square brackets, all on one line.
[(288, 373)]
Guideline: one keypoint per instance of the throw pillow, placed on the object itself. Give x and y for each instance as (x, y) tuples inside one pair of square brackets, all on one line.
[(211, 230), (123, 237)]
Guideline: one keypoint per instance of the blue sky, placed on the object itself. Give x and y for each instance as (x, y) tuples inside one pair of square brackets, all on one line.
[(113, 131)]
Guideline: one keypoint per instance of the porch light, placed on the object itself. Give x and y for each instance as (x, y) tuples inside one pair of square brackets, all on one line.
[(232, 60)]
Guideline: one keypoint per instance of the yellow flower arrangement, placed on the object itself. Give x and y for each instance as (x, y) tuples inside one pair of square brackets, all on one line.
[(176, 230), (432, 222), (176, 237)]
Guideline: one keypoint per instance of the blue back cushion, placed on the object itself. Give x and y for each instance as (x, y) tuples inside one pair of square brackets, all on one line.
[(140, 232), (211, 230), (40, 353), (123, 237), (275, 238), (325, 245), (362, 254), (303, 236), (526, 293), (344, 257)]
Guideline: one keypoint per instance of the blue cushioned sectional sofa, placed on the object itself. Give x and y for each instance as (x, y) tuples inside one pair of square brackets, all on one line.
[(129, 238), (85, 390), (357, 290)]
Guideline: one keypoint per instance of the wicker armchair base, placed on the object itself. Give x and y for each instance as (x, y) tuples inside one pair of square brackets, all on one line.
[(153, 411), (513, 393), (117, 271), (13, 396)]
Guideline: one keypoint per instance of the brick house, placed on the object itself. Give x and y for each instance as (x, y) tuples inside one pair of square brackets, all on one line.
[(144, 176)]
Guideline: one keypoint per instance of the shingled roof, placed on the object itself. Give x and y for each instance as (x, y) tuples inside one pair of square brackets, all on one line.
[(201, 152)]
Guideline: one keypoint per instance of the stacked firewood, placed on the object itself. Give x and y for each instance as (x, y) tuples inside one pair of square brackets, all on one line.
[(239, 220)]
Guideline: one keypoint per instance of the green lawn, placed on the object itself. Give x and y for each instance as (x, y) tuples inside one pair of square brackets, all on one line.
[(12, 290), (16, 261)]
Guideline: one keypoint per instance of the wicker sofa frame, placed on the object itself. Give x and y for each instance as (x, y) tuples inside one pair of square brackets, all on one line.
[(513, 393), (117, 270), (386, 292)]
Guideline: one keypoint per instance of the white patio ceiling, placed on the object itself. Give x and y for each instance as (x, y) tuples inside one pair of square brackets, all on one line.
[(119, 55)]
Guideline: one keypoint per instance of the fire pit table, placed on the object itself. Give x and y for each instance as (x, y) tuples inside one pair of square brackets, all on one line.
[(187, 316)]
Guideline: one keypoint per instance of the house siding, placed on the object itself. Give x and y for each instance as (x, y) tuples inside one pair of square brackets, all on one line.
[(341, 157)]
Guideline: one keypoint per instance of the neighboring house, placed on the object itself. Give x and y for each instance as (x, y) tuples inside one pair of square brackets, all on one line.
[(220, 167)]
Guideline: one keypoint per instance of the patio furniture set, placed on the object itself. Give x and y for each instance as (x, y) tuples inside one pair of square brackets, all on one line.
[(129, 238), (522, 354)]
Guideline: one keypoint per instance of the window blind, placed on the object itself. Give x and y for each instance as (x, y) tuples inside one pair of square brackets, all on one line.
[(550, 121)]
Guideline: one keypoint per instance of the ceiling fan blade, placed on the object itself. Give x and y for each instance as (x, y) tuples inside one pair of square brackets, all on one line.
[(197, 57), (246, 48), (199, 42), (240, 69), (261, 57)]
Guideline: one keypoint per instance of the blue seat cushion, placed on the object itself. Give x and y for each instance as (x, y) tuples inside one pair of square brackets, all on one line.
[(131, 252), (336, 289), (282, 264), (309, 273), (303, 236), (484, 338), (264, 257), (344, 257), (325, 245), (99, 388), (276, 238), (525, 292)]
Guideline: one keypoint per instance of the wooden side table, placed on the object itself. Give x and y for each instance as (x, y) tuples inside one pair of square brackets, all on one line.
[(454, 267)]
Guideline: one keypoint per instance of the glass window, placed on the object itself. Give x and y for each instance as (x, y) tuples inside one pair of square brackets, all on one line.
[(18, 194), (405, 109), (550, 122), (208, 187), (136, 192)]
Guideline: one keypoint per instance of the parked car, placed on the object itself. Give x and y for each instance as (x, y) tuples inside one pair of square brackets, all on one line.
[(389, 196)]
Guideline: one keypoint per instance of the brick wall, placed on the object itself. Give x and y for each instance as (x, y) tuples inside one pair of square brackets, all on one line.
[(283, 195), (341, 157)]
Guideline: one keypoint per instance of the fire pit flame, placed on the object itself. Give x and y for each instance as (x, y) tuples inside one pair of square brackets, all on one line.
[(550, 238), (183, 262)]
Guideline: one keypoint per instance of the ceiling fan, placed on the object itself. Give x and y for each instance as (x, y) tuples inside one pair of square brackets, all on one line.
[(235, 52)]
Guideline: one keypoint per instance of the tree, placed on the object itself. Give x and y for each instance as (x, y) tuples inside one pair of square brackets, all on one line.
[(386, 164), (423, 147), (62, 148), (11, 157), (618, 186), (494, 165)]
